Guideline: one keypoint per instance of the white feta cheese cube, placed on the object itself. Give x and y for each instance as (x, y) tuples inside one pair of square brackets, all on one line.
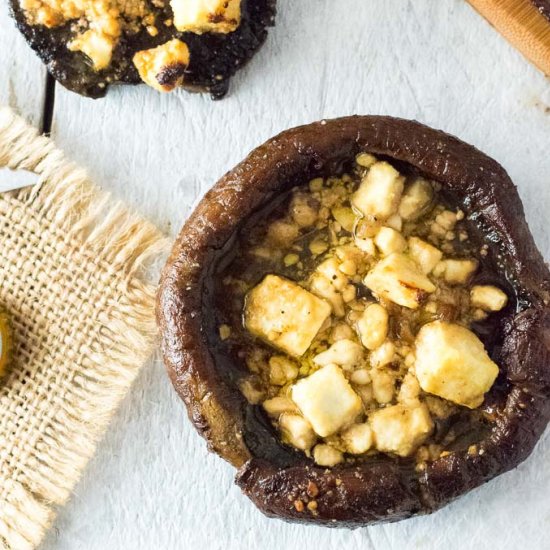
[(327, 400), (415, 199), (284, 314), (281, 370), (424, 254), (400, 429), (200, 16), (399, 279), (389, 240), (488, 297), (330, 269), (452, 363), (162, 67), (380, 191)]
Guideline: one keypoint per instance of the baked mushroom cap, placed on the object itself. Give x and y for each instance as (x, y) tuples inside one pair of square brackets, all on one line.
[(382, 489), (214, 57)]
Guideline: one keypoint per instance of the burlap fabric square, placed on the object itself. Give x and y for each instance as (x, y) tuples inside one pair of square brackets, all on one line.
[(72, 277)]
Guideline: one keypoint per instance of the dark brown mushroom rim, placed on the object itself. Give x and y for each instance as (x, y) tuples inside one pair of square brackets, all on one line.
[(382, 488), (214, 58)]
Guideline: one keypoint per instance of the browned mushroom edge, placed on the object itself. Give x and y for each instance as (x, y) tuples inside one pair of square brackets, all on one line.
[(381, 489)]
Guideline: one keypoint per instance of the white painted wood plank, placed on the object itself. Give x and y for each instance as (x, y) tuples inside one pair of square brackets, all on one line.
[(152, 483), (22, 75)]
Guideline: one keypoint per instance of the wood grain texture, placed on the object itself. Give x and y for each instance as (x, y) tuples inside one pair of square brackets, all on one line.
[(22, 75), (152, 483), (523, 25)]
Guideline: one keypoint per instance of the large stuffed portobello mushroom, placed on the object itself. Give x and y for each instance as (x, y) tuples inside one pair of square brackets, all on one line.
[(356, 317)]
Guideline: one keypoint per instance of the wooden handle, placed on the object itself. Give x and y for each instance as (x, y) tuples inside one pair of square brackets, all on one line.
[(520, 22)]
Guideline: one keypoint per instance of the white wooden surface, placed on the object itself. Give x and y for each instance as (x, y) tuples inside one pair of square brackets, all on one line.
[(22, 76), (152, 484)]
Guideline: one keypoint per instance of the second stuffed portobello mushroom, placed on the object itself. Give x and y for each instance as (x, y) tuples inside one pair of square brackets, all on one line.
[(356, 317), (198, 45)]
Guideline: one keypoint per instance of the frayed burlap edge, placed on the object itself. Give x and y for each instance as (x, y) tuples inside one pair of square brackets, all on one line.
[(126, 244)]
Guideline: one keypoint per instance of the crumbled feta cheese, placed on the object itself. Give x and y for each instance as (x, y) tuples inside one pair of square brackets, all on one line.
[(341, 331), (326, 455), (252, 390), (361, 377), (447, 219), (366, 245), (281, 370), (318, 246), (304, 210), (345, 353), (224, 331), (383, 386), (372, 326), (330, 282), (281, 233), (358, 438), (291, 259), (330, 269), (344, 216), (409, 390), (322, 287), (383, 355)]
